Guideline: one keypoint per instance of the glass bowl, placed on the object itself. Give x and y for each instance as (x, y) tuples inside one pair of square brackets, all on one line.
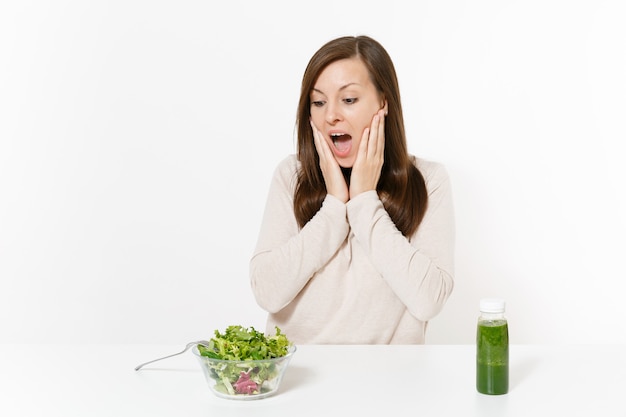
[(244, 380)]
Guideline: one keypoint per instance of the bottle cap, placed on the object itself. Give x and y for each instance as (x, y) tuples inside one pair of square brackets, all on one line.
[(492, 305)]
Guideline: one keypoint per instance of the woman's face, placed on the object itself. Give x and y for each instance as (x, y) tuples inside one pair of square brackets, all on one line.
[(343, 103)]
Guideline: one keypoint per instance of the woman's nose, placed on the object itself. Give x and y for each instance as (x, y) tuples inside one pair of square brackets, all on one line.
[(332, 115)]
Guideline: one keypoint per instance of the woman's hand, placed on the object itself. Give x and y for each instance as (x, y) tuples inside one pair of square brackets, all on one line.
[(370, 157), (333, 177)]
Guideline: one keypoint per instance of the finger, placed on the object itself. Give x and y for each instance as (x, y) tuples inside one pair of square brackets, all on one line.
[(381, 133), (377, 138), (374, 134), (323, 150), (362, 153), (317, 140)]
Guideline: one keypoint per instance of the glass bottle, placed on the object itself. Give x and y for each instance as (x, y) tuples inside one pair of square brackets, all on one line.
[(492, 348)]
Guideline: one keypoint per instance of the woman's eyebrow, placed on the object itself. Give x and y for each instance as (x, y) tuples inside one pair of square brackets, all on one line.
[(343, 87)]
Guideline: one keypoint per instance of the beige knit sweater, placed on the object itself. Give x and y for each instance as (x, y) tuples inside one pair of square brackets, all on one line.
[(349, 276)]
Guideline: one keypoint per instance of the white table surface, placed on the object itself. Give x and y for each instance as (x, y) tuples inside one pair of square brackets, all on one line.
[(426, 380)]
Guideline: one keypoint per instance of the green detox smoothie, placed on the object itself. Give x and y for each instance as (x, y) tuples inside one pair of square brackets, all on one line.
[(492, 357)]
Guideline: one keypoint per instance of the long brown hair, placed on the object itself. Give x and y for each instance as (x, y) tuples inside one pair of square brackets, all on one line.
[(401, 186)]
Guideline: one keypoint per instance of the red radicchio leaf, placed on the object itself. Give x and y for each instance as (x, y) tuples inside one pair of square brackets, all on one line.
[(245, 385)]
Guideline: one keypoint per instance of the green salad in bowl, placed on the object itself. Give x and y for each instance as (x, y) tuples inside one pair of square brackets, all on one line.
[(243, 363)]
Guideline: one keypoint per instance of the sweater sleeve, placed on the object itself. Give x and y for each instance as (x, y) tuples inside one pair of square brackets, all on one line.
[(419, 270), (286, 257)]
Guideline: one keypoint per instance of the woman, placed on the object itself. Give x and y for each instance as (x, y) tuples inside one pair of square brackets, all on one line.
[(356, 244)]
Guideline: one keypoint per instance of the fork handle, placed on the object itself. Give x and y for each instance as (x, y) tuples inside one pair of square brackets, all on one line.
[(138, 367)]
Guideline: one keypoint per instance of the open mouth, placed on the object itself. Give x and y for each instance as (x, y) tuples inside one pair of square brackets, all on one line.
[(342, 141)]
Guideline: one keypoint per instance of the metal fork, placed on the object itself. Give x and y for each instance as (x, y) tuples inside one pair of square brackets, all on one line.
[(189, 346)]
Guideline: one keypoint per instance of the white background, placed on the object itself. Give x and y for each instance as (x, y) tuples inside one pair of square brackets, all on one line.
[(138, 139)]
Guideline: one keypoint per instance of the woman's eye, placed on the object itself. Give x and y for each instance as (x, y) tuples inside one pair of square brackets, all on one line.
[(317, 103), (350, 100)]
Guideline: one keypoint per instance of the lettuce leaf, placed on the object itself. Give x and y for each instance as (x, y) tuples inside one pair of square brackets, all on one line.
[(241, 344)]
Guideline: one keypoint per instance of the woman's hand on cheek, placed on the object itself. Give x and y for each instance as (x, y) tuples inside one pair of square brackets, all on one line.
[(333, 177), (370, 157)]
